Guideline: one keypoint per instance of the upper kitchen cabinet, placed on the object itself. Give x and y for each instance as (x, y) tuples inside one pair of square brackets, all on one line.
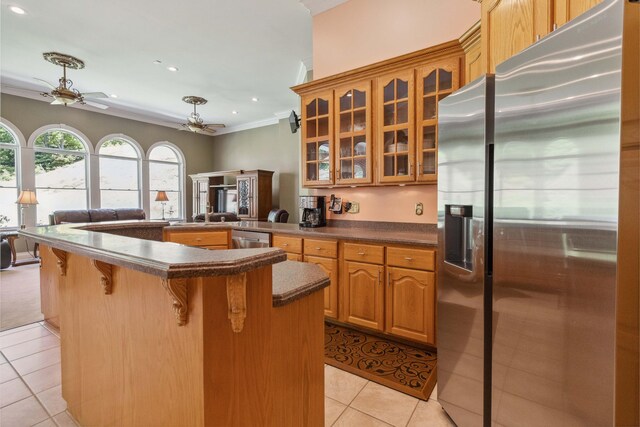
[(435, 82), (473, 65), (378, 128), (566, 10), (317, 139), (509, 26), (396, 127), (353, 153)]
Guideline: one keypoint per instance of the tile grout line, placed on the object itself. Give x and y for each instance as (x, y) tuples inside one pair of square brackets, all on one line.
[(413, 412)]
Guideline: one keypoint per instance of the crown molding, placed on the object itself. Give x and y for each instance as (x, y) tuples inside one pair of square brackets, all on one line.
[(246, 126), (319, 6)]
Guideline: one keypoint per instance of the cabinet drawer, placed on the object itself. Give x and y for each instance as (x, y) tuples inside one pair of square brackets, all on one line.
[(294, 257), (419, 259), (291, 245), (325, 248), (372, 254), (194, 238)]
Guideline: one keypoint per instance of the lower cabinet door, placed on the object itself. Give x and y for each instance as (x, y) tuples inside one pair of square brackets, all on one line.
[(410, 304), (294, 257), (330, 266), (364, 294)]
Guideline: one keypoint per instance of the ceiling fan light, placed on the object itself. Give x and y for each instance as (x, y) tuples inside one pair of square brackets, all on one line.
[(64, 100)]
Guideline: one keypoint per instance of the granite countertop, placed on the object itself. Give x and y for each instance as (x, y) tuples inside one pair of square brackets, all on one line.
[(375, 234), (294, 280), (164, 259)]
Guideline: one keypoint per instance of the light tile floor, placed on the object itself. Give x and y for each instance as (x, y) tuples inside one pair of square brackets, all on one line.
[(30, 391)]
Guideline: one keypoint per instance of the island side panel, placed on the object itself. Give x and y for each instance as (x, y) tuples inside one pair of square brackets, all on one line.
[(49, 285), (125, 360)]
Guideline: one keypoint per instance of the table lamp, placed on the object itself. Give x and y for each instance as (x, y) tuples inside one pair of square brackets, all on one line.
[(26, 197), (161, 196)]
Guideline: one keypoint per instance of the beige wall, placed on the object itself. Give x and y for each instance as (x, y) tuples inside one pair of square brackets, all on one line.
[(272, 148), (361, 32), (29, 115)]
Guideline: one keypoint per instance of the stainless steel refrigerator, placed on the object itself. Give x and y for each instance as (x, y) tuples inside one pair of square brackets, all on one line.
[(538, 232)]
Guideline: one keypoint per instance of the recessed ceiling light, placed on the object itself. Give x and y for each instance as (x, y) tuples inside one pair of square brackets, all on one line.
[(254, 99), (113, 95), (172, 68), (234, 112), (157, 62), (17, 10)]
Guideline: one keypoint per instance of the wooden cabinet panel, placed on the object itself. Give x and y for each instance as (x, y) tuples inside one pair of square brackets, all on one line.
[(363, 294), (509, 26), (317, 139), (353, 144), (329, 266), (294, 257), (323, 248), (435, 82), (373, 254), (410, 310), (566, 10), (419, 259), (288, 244), (396, 127), (198, 238)]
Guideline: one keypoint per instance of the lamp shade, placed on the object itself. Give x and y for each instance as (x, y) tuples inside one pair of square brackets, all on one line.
[(27, 197), (161, 196)]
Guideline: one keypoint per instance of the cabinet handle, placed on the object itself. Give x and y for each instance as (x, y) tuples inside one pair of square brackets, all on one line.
[(555, 26), (379, 279), (198, 239), (410, 169), (361, 253), (419, 170), (330, 175), (285, 244), (318, 248), (388, 279), (537, 37), (408, 258)]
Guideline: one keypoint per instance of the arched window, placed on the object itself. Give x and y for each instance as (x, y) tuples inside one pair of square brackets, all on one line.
[(9, 171), (61, 172), (119, 174), (166, 166)]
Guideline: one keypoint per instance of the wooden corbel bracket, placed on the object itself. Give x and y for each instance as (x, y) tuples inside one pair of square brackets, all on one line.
[(237, 301), (177, 289), (106, 275), (61, 260)]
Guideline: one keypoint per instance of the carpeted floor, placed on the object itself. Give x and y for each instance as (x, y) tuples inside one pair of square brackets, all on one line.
[(19, 296), (404, 368)]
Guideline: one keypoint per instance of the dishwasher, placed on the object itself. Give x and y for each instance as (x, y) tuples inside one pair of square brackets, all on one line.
[(249, 239)]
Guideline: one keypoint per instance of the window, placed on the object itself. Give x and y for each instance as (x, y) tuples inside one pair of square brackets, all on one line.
[(61, 172), (165, 174), (119, 174), (8, 178)]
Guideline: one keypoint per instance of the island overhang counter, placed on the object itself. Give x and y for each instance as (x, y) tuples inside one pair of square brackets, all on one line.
[(157, 333)]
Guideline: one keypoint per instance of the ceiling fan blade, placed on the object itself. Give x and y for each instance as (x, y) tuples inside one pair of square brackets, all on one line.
[(95, 104), (45, 82), (215, 125), (95, 95)]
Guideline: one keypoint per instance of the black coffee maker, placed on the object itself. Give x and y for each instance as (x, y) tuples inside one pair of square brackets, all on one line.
[(312, 211)]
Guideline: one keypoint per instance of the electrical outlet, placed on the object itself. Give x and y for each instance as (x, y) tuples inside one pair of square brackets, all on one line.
[(419, 208), (355, 208)]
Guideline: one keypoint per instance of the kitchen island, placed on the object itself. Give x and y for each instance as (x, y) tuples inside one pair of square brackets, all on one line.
[(158, 333)]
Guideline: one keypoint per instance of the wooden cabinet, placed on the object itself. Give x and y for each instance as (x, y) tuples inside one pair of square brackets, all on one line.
[(254, 194), (379, 134), (396, 127), (208, 239), (509, 26), (410, 304), (353, 152), (363, 294), (470, 41), (330, 267), (435, 82), (317, 139)]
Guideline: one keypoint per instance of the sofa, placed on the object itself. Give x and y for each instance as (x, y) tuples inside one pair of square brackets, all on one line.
[(96, 215)]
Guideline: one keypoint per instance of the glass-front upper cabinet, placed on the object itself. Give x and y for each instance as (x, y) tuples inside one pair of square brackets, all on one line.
[(435, 82), (317, 139), (353, 157), (396, 127)]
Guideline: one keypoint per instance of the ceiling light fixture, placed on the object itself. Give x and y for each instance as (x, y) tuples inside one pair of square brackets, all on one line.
[(234, 112), (254, 99), (17, 10), (194, 121), (113, 95), (172, 68)]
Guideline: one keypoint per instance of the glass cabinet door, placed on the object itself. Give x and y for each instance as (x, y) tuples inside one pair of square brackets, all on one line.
[(396, 141), (435, 82), (245, 194), (317, 140), (353, 162)]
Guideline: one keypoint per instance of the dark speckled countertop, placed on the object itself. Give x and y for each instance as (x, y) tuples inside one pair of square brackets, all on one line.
[(293, 280), (424, 236)]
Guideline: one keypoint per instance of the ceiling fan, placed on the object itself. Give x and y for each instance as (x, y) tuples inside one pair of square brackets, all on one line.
[(64, 94), (194, 121)]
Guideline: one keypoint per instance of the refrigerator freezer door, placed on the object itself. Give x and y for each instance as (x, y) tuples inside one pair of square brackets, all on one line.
[(557, 143), (462, 126)]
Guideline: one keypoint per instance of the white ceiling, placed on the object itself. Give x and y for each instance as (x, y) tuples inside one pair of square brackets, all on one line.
[(227, 51)]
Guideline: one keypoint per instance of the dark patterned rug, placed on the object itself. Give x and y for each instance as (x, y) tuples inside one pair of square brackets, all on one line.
[(404, 368)]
